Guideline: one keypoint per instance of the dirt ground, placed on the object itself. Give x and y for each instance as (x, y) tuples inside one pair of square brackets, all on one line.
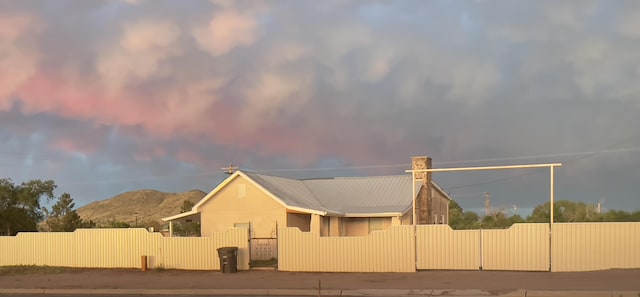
[(619, 280)]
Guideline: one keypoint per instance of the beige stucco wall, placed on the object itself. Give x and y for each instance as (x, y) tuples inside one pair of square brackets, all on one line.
[(335, 227), (240, 201), (300, 220), (363, 226), (355, 226)]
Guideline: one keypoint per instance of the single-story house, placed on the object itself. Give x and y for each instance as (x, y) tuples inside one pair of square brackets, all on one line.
[(339, 206)]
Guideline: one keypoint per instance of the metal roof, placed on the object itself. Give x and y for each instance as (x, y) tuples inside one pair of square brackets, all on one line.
[(292, 192), (342, 195)]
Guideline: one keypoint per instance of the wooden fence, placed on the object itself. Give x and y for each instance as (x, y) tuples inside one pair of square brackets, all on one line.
[(531, 247), (121, 248)]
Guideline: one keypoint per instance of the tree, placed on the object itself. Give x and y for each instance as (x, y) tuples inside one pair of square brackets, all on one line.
[(186, 206), (460, 219), (20, 205), (455, 215), (186, 228), (565, 211), (116, 224), (63, 218)]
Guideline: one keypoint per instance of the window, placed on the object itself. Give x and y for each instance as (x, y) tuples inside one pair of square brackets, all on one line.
[(242, 225)]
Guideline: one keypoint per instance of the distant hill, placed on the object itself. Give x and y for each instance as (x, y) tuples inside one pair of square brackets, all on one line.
[(148, 206)]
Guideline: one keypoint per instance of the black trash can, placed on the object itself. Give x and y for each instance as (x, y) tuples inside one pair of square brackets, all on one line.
[(228, 259)]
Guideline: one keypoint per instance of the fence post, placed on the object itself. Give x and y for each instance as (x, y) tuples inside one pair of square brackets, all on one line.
[(143, 263)]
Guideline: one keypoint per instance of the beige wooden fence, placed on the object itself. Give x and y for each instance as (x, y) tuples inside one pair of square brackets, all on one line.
[(440, 247), (120, 248), (392, 250), (573, 247), (595, 246), (521, 247)]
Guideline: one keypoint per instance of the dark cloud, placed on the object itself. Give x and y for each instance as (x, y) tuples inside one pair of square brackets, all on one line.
[(109, 96)]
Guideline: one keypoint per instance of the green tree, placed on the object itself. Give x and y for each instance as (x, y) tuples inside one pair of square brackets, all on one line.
[(187, 229), (63, 218), (186, 206), (460, 219), (455, 215), (20, 205), (116, 224), (565, 211)]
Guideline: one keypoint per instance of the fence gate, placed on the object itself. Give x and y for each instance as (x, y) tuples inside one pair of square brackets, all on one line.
[(263, 251)]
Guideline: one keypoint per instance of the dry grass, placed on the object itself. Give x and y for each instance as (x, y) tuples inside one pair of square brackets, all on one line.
[(32, 269)]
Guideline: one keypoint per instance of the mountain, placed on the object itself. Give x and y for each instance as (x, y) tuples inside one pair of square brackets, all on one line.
[(144, 207)]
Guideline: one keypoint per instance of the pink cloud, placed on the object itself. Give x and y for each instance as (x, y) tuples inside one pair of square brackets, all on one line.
[(227, 30), (18, 55), (73, 145)]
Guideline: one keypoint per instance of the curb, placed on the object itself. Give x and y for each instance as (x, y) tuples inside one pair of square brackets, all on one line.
[(303, 292)]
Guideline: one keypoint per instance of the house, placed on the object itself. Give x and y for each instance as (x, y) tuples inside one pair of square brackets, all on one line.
[(339, 206)]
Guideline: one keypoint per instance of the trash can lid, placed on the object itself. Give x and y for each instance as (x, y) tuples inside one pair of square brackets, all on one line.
[(227, 249)]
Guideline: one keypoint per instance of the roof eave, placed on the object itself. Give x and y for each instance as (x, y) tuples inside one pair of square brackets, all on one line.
[(307, 210), (373, 215), (180, 215)]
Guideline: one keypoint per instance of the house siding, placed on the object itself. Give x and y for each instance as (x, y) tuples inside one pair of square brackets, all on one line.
[(440, 211), (364, 226), (300, 220), (242, 202)]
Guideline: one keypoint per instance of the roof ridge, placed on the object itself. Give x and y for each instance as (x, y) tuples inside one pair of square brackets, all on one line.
[(325, 178), (371, 176)]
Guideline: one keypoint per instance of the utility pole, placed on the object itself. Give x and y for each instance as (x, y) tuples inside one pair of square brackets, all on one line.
[(487, 203), (230, 170)]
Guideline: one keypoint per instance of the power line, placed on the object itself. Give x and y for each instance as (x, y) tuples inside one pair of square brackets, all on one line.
[(535, 171), (580, 155)]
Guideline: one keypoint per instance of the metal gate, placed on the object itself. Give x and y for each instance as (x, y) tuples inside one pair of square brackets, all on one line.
[(263, 251)]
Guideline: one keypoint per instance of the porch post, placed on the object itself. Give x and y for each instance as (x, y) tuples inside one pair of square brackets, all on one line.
[(315, 224), (170, 228)]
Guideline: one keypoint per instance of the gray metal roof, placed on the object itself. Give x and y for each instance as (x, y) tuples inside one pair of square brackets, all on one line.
[(342, 195), (292, 192)]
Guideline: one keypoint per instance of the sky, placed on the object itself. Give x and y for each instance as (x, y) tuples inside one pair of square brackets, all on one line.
[(105, 97)]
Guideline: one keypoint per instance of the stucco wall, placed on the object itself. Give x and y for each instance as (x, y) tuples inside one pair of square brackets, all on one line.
[(300, 220), (242, 202), (355, 226), (363, 226)]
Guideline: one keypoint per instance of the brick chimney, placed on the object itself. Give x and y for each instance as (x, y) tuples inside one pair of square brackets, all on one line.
[(423, 198)]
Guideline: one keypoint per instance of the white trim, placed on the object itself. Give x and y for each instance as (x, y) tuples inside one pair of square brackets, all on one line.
[(228, 180), (372, 215), (306, 210), (180, 215)]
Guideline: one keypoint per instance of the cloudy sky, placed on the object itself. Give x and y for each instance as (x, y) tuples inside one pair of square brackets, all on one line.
[(105, 97)]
